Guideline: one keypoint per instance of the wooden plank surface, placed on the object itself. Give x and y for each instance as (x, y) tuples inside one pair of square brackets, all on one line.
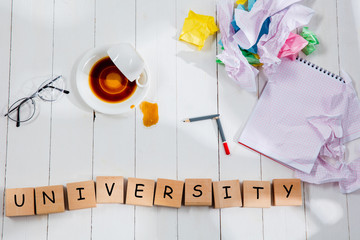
[(114, 136), (28, 145)]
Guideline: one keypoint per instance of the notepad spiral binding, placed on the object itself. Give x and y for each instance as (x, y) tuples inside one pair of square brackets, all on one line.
[(333, 75)]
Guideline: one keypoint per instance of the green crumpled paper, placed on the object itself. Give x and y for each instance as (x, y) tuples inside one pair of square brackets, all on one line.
[(197, 28), (311, 38), (252, 58)]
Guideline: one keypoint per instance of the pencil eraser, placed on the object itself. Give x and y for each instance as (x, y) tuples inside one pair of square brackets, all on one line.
[(226, 147)]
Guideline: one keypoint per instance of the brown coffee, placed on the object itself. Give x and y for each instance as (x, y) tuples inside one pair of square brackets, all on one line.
[(108, 83)]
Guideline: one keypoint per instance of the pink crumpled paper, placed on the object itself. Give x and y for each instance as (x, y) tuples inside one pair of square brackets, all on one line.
[(250, 23), (280, 27), (293, 45), (236, 65)]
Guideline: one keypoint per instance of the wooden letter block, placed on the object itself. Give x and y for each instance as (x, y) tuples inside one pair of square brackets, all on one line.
[(49, 199), (257, 194), (81, 195), (19, 202), (110, 189), (140, 192), (198, 192), (227, 194), (287, 192), (169, 193)]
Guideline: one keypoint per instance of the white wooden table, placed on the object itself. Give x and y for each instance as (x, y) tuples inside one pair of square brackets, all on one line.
[(66, 143)]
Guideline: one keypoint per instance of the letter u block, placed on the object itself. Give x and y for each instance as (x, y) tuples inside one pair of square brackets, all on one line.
[(19, 202), (49, 199)]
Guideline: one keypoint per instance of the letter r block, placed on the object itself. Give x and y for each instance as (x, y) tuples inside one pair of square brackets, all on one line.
[(19, 202), (49, 199), (287, 192), (227, 194), (81, 195), (198, 192), (257, 194), (169, 193), (140, 192)]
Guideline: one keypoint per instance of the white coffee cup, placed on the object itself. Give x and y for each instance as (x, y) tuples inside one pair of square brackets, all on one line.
[(129, 62)]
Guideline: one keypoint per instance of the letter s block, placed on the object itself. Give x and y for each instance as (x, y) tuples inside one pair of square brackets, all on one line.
[(19, 202), (140, 192), (227, 194), (49, 199), (287, 192), (169, 193), (198, 192), (81, 195)]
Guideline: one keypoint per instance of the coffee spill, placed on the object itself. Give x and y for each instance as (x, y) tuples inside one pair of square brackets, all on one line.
[(150, 112), (132, 106)]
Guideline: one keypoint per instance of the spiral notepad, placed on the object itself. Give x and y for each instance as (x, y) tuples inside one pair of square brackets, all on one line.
[(302, 107)]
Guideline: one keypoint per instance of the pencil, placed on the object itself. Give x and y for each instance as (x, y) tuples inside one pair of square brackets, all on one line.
[(201, 118), (226, 147)]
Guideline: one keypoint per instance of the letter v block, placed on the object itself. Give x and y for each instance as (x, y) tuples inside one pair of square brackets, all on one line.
[(287, 192), (257, 194), (140, 192), (81, 195), (19, 202), (110, 189), (227, 194), (169, 193), (49, 199)]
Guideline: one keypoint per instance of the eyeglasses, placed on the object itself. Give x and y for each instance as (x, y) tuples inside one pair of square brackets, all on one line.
[(24, 109)]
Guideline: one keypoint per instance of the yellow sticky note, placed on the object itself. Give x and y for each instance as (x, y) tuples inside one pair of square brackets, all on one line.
[(197, 28), (242, 2)]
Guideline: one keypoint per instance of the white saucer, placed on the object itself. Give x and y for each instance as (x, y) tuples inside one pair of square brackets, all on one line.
[(82, 82)]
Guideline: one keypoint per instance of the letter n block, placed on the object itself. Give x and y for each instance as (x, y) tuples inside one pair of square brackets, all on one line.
[(49, 199), (140, 192), (81, 195), (198, 192), (19, 202), (257, 194), (110, 189), (287, 192), (169, 193), (227, 194)]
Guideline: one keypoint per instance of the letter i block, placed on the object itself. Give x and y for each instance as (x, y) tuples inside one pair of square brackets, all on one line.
[(81, 195), (19, 202), (140, 192), (49, 199), (257, 194), (227, 194), (110, 189), (198, 192), (169, 193), (287, 192)]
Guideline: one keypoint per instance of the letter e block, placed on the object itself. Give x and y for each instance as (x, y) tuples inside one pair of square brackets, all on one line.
[(227, 194), (110, 189), (287, 192), (198, 192), (140, 192), (169, 193), (81, 195), (49, 199), (257, 194), (19, 202)]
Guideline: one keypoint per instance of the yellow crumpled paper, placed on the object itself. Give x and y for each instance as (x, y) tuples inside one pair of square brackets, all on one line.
[(197, 28), (242, 2)]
